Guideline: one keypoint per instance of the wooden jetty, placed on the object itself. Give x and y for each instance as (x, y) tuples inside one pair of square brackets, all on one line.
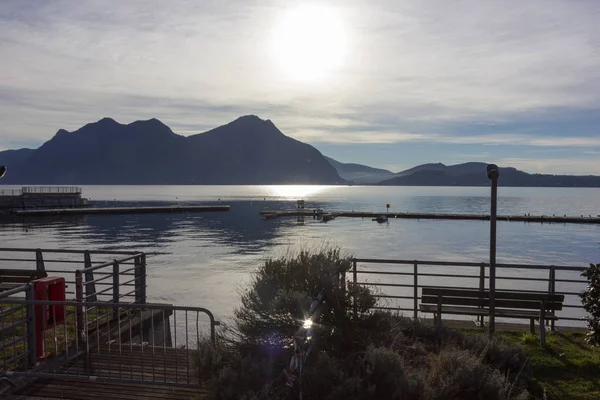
[(119, 210), (319, 214)]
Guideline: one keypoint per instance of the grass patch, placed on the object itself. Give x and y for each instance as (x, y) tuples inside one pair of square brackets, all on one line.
[(57, 340), (567, 367)]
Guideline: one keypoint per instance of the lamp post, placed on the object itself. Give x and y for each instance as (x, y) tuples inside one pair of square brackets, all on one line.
[(493, 174)]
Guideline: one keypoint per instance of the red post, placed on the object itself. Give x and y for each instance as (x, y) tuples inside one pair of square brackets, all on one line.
[(48, 316)]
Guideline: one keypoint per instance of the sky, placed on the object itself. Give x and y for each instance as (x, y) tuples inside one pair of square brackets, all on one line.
[(390, 84)]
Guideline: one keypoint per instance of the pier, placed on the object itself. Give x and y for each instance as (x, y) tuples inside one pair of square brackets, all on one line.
[(119, 210), (41, 197), (329, 215)]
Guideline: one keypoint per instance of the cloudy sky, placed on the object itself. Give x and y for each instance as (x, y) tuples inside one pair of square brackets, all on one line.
[(386, 83)]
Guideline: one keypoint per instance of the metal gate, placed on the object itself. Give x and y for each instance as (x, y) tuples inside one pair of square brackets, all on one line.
[(103, 341)]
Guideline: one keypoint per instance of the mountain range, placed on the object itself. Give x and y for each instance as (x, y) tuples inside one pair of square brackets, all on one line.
[(473, 174), (246, 151)]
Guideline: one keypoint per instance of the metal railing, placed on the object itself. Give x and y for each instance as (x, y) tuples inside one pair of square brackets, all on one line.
[(17, 327), (398, 283), (51, 190), (121, 280), (149, 343), (11, 192), (114, 276)]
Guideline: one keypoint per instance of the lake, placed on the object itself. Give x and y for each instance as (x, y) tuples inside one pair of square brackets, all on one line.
[(204, 259)]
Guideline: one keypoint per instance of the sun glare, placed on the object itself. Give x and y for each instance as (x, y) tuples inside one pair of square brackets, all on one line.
[(309, 42), (294, 192)]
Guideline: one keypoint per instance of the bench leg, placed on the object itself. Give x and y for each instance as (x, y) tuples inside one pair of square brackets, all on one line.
[(542, 328), (532, 326)]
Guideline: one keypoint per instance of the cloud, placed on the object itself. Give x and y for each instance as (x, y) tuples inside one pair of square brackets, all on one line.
[(458, 72), (507, 139), (577, 166)]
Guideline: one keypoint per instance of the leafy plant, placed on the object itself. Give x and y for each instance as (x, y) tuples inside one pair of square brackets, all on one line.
[(370, 355), (590, 298)]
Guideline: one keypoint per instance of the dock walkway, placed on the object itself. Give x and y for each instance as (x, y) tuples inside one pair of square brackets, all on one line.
[(120, 210), (269, 214)]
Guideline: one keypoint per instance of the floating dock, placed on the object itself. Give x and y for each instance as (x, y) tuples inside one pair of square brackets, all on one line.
[(38, 197), (319, 214), (119, 210)]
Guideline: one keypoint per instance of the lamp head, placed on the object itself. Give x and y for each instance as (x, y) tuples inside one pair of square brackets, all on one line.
[(2, 170), (492, 171)]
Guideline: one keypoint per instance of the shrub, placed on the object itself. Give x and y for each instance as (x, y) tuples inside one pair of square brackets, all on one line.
[(377, 355), (590, 298), (459, 374), (282, 290)]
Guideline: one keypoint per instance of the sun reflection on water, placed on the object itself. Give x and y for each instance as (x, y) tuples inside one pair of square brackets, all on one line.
[(295, 192)]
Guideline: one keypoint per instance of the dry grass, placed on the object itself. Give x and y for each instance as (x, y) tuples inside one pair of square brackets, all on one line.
[(57, 338)]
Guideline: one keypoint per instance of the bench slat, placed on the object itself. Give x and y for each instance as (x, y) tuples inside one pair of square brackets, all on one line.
[(498, 294), (499, 303), (10, 278), (430, 308)]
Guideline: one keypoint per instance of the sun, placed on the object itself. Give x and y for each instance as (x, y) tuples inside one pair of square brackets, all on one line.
[(309, 42)]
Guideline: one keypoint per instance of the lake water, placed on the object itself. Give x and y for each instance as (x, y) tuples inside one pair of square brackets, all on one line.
[(204, 259)]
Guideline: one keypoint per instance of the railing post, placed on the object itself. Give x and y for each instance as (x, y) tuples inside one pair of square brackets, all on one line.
[(354, 288), (552, 289), (79, 309), (31, 339), (140, 279), (115, 287), (39, 264), (416, 291), (90, 285), (481, 289)]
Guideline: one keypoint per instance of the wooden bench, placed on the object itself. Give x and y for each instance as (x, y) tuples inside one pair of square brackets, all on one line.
[(507, 304), (10, 278)]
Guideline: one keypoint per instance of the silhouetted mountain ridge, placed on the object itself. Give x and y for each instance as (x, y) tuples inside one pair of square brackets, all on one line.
[(474, 174), (248, 150), (358, 173)]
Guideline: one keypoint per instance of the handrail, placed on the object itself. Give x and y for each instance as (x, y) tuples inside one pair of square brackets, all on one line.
[(149, 306), (98, 329), (51, 189), (130, 264), (469, 264), (14, 290), (404, 282), (23, 335), (66, 251)]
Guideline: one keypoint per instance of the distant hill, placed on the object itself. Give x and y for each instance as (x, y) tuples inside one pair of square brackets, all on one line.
[(474, 174), (358, 173), (248, 150), (423, 167)]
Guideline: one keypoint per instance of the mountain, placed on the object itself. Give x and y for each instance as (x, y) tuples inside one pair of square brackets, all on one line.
[(248, 150), (423, 167), (474, 174), (11, 157), (360, 174)]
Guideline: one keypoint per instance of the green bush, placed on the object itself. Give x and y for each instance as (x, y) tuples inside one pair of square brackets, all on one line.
[(378, 355), (590, 298)]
